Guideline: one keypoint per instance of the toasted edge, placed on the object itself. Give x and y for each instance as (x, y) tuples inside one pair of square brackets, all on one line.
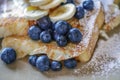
[(86, 55)]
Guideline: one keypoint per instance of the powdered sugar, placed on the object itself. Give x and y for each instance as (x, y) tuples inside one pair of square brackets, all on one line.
[(106, 59)]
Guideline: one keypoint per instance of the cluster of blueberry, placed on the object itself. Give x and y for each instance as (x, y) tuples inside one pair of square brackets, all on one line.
[(61, 32), (80, 10), (43, 63)]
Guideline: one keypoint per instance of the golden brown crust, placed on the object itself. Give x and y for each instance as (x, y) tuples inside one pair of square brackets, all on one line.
[(98, 21), (112, 14), (114, 22), (14, 26)]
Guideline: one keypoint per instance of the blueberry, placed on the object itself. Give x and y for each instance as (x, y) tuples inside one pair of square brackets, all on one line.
[(55, 34), (53, 26), (50, 31), (88, 5), (32, 60), (62, 27), (56, 65), (74, 35), (70, 27), (8, 55), (45, 37), (34, 32), (61, 40), (43, 63), (70, 63), (79, 12), (71, 1), (44, 22)]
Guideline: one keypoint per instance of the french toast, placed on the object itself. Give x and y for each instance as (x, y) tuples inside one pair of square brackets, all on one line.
[(14, 26), (117, 2), (89, 26), (112, 14)]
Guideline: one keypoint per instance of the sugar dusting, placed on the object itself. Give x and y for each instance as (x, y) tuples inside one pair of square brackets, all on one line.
[(106, 59)]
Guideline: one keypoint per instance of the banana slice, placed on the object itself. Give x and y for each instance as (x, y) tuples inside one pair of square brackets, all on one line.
[(52, 4), (33, 13), (39, 2), (64, 12), (21, 3)]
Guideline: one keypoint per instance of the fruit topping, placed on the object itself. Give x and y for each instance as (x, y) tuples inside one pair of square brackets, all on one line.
[(70, 63), (44, 22), (88, 5), (63, 12), (54, 26), (55, 34), (43, 63), (30, 8), (45, 37), (61, 27), (79, 12), (8, 55), (50, 31), (61, 40), (75, 35), (61, 32), (39, 2), (56, 11), (32, 60), (56, 65), (34, 32), (34, 13), (71, 1), (52, 4)]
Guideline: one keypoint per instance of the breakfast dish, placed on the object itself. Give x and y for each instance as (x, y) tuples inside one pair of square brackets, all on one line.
[(90, 32), (77, 24), (112, 14)]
